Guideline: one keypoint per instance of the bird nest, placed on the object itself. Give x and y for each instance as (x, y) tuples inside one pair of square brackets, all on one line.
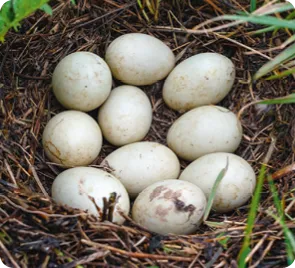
[(36, 232)]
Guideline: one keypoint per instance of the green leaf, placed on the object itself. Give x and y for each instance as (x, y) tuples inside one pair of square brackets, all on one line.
[(14, 11), (287, 54), (245, 250), (47, 9), (73, 2), (284, 100), (214, 189)]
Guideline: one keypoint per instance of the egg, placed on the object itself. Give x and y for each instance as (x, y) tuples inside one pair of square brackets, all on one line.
[(82, 81), (139, 59), (126, 116), (141, 164), (170, 206), (235, 188), (90, 189), (200, 80), (72, 138), (205, 130)]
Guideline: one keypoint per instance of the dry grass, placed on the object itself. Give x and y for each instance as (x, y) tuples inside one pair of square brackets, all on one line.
[(35, 232)]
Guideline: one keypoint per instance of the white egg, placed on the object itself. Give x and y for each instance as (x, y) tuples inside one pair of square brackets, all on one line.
[(139, 59), (205, 130), (235, 188), (72, 138), (141, 164), (82, 81), (126, 116), (199, 80), (170, 206), (86, 188)]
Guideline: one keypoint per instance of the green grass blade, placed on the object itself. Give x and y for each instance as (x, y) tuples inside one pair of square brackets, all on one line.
[(284, 100), (289, 237), (263, 20), (251, 218), (281, 75), (214, 189), (264, 30), (287, 54), (253, 5), (277, 8)]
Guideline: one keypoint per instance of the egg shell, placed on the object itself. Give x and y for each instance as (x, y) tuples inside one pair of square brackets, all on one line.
[(141, 164), (82, 81), (83, 187), (126, 116), (235, 188), (205, 130), (200, 80), (139, 59), (170, 206), (72, 138)]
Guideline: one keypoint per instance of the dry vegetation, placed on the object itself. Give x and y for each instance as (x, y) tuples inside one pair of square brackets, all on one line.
[(35, 232)]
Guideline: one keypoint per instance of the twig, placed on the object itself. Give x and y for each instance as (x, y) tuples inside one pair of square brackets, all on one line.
[(10, 173), (36, 177), (136, 255), (9, 255), (87, 259), (41, 212), (258, 245)]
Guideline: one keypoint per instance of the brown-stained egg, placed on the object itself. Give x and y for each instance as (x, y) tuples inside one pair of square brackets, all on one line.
[(170, 206)]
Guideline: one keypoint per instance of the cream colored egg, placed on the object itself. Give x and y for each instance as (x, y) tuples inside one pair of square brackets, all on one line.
[(139, 59), (86, 188), (82, 81), (200, 80), (141, 164), (126, 116), (170, 206), (72, 138), (205, 130), (235, 188)]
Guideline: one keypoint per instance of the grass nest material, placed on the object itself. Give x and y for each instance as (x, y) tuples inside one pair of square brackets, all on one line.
[(35, 232)]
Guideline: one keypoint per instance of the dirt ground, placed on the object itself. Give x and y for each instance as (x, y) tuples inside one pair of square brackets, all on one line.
[(35, 232)]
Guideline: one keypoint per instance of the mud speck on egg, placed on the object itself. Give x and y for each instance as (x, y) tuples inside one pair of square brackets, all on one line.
[(170, 206)]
